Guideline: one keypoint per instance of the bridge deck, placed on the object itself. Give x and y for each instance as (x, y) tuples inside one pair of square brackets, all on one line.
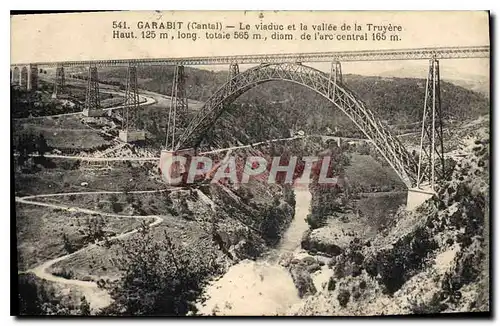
[(343, 56)]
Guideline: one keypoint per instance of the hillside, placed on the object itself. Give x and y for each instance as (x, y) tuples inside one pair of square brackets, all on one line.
[(432, 260), (351, 246), (290, 106)]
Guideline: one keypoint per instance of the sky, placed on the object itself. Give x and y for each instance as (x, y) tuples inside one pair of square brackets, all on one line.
[(88, 36), (467, 69)]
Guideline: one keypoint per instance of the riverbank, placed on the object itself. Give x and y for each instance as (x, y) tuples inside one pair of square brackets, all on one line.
[(263, 286)]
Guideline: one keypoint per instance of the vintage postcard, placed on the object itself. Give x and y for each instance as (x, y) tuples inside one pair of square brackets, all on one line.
[(249, 163)]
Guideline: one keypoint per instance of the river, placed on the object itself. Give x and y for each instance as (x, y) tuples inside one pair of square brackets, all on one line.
[(261, 287)]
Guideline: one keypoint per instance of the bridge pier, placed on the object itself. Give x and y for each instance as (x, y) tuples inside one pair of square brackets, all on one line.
[(130, 136), (129, 132), (178, 99), (178, 110), (60, 82), (431, 161), (417, 196), (23, 77), (174, 165), (92, 100), (32, 82), (335, 78), (234, 70), (14, 75)]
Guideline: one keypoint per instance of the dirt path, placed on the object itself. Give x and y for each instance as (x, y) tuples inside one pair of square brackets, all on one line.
[(98, 298), (144, 100), (99, 159), (135, 158)]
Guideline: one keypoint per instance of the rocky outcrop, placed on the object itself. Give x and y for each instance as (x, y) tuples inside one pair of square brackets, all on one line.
[(301, 271), (332, 239), (432, 260)]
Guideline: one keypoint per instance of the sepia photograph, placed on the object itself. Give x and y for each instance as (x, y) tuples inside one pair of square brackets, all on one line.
[(250, 163)]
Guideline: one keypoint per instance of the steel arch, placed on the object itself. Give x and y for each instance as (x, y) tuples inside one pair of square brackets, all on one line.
[(343, 98)]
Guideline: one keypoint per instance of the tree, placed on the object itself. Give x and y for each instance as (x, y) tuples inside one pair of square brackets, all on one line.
[(160, 278), (27, 144), (24, 146), (84, 307), (38, 297), (41, 145), (184, 208), (31, 295), (94, 229), (68, 245)]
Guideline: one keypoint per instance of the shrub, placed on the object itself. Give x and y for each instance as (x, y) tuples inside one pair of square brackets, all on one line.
[(37, 297), (94, 229), (116, 207), (343, 297), (433, 306), (68, 245), (331, 283), (395, 266), (159, 277), (316, 221), (84, 307), (63, 272)]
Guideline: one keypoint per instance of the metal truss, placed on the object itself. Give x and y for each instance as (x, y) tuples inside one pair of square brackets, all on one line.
[(92, 99), (23, 77), (178, 110), (335, 78), (431, 153), (234, 70), (331, 88), (370, 55), (60, 81), (131, 104)]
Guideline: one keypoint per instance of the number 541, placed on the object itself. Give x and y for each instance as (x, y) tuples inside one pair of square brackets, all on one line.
[(119, 24)]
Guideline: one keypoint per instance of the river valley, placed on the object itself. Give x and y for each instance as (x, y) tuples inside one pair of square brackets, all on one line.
[(262, 287)]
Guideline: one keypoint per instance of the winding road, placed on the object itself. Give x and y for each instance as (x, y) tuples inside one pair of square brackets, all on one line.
[(144, 100), (147, 159), (97, 298)]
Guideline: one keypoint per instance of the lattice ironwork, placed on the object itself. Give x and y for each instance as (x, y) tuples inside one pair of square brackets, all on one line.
[(431, 163), (178, 110), (131, 105), (60, 81), (343, 98), (92, 99), (335, 77), (234, 70), (457, 52)]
